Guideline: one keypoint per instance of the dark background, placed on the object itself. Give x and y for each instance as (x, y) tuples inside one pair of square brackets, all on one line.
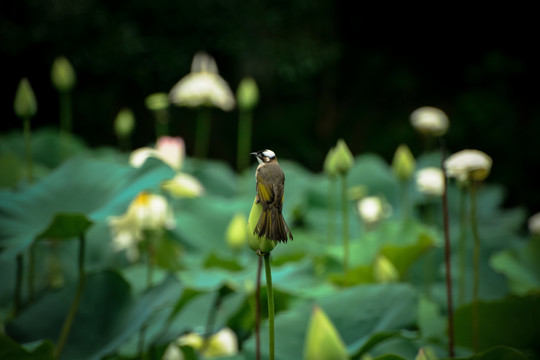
[(325, 69)]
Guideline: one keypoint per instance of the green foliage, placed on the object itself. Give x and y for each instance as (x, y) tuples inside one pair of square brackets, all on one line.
[(198, 284)]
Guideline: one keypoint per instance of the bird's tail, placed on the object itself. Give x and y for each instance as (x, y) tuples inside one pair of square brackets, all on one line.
[(272, 225)]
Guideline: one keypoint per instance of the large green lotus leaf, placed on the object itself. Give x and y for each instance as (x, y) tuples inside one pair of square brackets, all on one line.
[(217, 177), (193, 314), (10, 349), (520, 266), (107, 315), (372, 171), (202, 222), (66, 225), (81, 185), (49, 147), (356, 312), (512, 321)]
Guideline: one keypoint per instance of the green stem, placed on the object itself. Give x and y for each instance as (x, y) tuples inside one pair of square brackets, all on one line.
[(447, 260), (332, 210), (18, 285), (28, 148), (405, 206), (258, 310), (65, 112), (161, 122), (476, 268), (65, 122), (244, 139), (202, 135), (345, 213), (270, 294), (66, 327), (462, 244)]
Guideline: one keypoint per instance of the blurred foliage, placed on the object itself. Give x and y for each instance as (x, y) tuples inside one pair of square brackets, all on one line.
[(208, 279)]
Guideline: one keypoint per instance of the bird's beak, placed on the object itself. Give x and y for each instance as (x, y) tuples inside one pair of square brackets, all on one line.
[(253, 153)]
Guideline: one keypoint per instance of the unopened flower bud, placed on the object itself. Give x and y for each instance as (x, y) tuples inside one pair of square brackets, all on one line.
[(384, 271), (247, 94), (124, 123), (329, 166), (25, 104), (261, 245), (468, 165), (430, 181), (342, 159), (430, 121), (403, 163), (323, 340), (157, 101), (534, 224), (62, 74), (236, 231)]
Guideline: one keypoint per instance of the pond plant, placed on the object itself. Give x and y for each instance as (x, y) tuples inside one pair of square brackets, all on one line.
[(117, 254)]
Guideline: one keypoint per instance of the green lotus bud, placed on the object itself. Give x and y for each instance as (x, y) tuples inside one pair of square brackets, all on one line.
[(426, 354), (124, 123), (236, 233), (342, 159), (322, 340), (157, 101), (329, 166), (25, 104), (384, 271), (247, 94), (403, 163), (62, 74), (260, 245)]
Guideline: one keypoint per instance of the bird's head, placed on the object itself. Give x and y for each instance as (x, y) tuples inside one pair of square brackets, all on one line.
[(264, 156)]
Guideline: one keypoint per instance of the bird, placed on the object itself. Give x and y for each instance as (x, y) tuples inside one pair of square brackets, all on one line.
[(270, 191)]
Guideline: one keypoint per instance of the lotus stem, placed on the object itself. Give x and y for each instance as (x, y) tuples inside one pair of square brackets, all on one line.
[(66, 327), (270, 295)]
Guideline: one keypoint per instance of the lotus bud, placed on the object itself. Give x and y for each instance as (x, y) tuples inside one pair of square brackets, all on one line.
[(468, 165), (236, 233), (373, 209), (247, 94), (124, 123), (430, 181), (157, 101), (342, 159), (322, 340), (329, 166), (430, 121), (384, 271), (403, 163), (25, 104), (260, 245), (62, 74), (534, 224)]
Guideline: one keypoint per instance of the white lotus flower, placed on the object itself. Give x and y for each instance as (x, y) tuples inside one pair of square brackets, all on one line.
[(146, 212), (203, 86), (170, 150), (430, 181), (430, 121), (468, 165), (221, 344), (183, 186)]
